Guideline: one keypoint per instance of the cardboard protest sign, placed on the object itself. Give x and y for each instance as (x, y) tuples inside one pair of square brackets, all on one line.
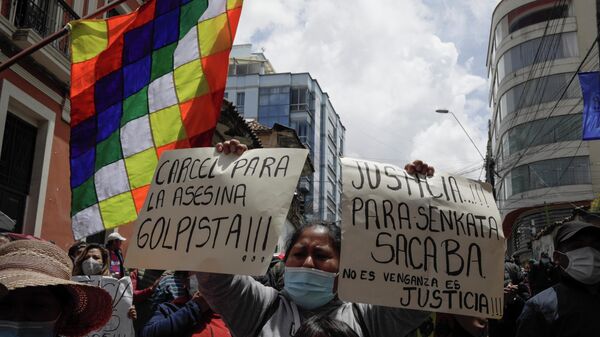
[(120, 325), (215, 213), (432, 244)]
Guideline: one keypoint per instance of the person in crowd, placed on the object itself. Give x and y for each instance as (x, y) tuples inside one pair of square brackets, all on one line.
[(4, 239), (170, 287), (515, 295), (311, 269), (571, 307), (324, 326), (38, 297), (186, 316), (543, 275), (141, 295), (274, 276), (76, 249), (113, 244), (310, 286), (93, 260), (144, 283)]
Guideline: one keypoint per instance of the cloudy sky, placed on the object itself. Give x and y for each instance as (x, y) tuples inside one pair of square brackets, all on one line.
[(387, 65)]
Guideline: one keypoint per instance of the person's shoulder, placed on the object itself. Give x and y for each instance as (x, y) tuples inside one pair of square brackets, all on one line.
[(545, 296), (168, 307), (545, 303)]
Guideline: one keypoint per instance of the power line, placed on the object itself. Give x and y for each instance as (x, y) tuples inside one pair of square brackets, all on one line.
[(551, 112), (535, 64), (534, 68), (565, 169)]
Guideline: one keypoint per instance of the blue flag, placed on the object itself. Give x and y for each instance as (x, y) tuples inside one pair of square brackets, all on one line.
[(590, 87)]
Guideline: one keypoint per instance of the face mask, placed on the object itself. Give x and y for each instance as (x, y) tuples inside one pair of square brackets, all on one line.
[(584, 265), (309, 288), (27, 329), (91, 267)]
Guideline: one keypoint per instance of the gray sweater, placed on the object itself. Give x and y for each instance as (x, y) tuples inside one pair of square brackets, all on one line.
[(251, 309)]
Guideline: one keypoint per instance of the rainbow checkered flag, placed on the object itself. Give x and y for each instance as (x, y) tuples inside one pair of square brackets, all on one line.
[(142, 83)]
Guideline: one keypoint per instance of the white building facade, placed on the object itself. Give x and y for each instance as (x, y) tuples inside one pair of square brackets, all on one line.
[(296, 101), (542, 167)]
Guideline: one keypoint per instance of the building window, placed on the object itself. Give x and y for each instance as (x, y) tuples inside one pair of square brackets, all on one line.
[(16, 163), (331, 216), (304, 130), (537, 91), (274, 106), (539, 15), (226, 95), (244, 69), (112, 12), (239, 102), (331, 188), (299, 99), (331, 129), (331, 159), (528, 15), (550, 173), (542, 131), (543, 49)]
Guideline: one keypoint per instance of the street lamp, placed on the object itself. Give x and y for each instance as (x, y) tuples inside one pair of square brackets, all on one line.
[(445, 111)]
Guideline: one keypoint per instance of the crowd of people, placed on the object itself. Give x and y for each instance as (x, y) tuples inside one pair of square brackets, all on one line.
[(297, 297)]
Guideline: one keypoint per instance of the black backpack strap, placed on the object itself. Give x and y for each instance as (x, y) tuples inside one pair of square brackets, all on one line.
[(268, 314), (360, 319)]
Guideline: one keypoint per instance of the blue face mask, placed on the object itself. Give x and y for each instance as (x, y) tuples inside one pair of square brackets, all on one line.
[(309, 288), (27, 329)]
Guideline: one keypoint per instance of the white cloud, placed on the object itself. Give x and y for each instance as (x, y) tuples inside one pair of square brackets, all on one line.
[(387, 65)]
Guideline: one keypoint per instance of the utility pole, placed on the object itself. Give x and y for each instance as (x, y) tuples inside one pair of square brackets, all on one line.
[(490, 164)]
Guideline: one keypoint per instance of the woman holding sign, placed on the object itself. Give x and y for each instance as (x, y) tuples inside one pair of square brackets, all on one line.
[(93, 260), (311, 269)]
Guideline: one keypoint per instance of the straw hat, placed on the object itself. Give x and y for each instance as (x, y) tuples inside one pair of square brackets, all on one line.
[(29, 263)]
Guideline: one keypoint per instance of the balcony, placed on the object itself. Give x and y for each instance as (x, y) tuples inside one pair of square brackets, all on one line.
[(29, 21)]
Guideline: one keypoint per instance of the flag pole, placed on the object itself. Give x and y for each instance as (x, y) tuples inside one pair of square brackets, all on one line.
[(55, 36)]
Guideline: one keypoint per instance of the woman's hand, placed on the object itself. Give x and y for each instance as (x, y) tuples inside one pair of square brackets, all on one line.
[(231, 146), (419, 167), (132, 313)]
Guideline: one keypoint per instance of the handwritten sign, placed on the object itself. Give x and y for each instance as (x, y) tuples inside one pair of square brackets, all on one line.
[(432, 244), (120, 325), (215, 213)]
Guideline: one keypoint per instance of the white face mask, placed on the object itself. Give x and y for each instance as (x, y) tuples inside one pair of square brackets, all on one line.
[(91, 267), (584, 265), (27, 329)]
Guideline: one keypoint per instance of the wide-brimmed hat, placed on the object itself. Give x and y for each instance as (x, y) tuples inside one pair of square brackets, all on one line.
[(29, 263), (568, 229)]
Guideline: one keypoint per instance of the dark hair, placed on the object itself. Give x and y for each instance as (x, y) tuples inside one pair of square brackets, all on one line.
[(323, 326), (82, 257), (109, 244), (75, 247), (335, 234)]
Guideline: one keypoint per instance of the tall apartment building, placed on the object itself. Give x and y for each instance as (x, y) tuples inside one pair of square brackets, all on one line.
[(542, 168), (296, 101)]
